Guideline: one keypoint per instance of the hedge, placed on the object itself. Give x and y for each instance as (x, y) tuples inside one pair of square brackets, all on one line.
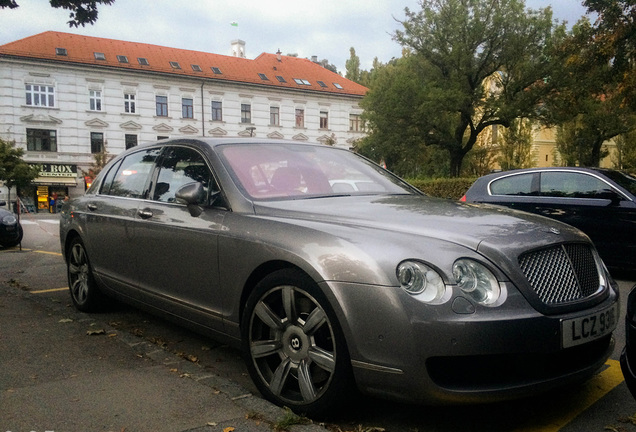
[(451, 188)]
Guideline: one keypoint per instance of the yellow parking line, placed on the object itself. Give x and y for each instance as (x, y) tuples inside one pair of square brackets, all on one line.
[(49, 253), (591, 392), (49, 290)]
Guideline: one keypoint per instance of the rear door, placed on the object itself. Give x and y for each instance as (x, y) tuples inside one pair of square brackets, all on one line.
[(110, 216)]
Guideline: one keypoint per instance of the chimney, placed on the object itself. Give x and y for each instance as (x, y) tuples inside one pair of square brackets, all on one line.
[(278, 53), (314, 59)]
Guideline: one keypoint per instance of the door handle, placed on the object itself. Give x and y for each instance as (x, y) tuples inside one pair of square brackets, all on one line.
[(145, 214), (91, 206)]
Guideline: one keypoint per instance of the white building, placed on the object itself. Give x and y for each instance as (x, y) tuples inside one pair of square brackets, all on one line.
[(66, 97)]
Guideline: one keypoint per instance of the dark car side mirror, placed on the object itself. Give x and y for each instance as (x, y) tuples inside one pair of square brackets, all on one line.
[(194, 196), (611, 195)]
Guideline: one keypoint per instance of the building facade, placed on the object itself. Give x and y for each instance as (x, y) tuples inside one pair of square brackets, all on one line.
[(66, 98)]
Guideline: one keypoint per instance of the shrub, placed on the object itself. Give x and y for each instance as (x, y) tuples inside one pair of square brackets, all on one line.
[(451, 188)]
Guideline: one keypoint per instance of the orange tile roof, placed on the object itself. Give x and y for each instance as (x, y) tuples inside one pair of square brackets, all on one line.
[(81, 49)]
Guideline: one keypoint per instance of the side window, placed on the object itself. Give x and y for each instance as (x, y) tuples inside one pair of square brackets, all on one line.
[(513, 185), (129, 178), (180, 166), (572, 185)]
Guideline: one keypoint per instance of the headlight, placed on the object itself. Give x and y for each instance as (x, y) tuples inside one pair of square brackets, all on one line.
[(421, 281), (9, 220), (477, 281)]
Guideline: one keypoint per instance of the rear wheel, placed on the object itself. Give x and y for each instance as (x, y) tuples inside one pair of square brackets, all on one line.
[(85, 294), (293, 345)]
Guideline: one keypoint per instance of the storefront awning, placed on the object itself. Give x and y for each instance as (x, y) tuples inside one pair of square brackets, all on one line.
[(55, 181)]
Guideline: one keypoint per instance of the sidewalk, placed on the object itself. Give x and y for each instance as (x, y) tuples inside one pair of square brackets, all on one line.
[(64, 371)]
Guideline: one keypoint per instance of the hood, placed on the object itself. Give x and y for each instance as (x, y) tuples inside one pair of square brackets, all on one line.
[(478, 227)]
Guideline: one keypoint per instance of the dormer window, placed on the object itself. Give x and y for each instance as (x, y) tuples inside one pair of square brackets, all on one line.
[(143, 61), (322, 84), (338, 86), (122, 59), (196, 68), (175, 65), (263, 77), (216, 70), (280, 79), (99, 56), (61, 51), (302, 81)]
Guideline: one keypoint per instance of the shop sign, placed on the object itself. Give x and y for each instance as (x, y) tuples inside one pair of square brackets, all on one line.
[(58, 170)]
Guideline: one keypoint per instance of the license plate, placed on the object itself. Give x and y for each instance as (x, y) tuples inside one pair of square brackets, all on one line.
[(584, 329)]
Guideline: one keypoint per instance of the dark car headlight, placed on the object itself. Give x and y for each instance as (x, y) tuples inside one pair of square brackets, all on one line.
[(422, 282), (475, 280), (9, 220)]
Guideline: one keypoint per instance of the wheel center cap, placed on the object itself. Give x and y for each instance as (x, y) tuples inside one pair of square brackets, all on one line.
[(295, 343)]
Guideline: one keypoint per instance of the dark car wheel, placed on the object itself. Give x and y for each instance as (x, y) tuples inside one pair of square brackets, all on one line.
[(85, 294), (293, 346), (13, 242)]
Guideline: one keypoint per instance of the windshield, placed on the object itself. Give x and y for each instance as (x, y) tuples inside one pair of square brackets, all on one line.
[(291, 171)]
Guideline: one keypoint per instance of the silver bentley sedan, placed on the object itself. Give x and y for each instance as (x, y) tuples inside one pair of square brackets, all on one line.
[(332, 274)]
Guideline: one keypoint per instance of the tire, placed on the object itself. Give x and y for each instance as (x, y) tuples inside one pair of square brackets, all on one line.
[(8, 244), (293, 346), (84, 291)]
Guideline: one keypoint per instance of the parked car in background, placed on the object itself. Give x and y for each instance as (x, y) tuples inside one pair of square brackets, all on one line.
[(600, 202), (10, 228), (628, 356), (407, 296)]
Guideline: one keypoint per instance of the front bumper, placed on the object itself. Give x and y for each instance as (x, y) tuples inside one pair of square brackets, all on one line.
[(404, 349)]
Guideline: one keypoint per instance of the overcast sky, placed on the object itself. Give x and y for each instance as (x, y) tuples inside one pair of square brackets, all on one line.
[(323, 28)]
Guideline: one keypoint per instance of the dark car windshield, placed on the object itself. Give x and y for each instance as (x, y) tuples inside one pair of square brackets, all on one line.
[(623, 179), (277, 170)]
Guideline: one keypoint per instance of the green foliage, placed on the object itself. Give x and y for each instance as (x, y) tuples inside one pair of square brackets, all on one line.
[(515, 146), (82, 11), (353, 66), (625, 157), (13, 170), (453, 188), (469, 65)]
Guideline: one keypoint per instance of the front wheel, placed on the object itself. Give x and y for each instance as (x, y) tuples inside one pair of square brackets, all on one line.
[(293, 346), (85, 294)]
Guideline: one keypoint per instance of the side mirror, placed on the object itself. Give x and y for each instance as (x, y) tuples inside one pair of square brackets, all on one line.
[(3, 203), (193, 195)]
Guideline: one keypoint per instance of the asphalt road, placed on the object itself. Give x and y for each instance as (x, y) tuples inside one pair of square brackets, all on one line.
[(61, 370)]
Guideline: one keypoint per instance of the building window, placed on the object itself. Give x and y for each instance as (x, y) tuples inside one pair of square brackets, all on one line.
[(175, 65), (41, 140), (40, 95), (322, 84), (280, 79), (355, 123), (263, 77), (216, 70), (217, 111), (324, 120), (142, 61), (300, 118), (122, 59), (187, 108), (61, 51), (95, 99), (338, 86), (129, 103), (99, 56), (162, 106), (274, 116), (196, 68), (131, 140), (246, 113), (97, 142)]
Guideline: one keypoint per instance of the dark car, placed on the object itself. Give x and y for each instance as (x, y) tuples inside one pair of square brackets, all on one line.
[(257, 244), (628, 356), (600, 202), (10, 228)]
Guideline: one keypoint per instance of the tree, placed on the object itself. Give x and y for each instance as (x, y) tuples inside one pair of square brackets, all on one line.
[(13, 170), (587, 98), (352, 66), (475, 64), (82, 11), (615, 35), (515, 146), (625, 157)]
